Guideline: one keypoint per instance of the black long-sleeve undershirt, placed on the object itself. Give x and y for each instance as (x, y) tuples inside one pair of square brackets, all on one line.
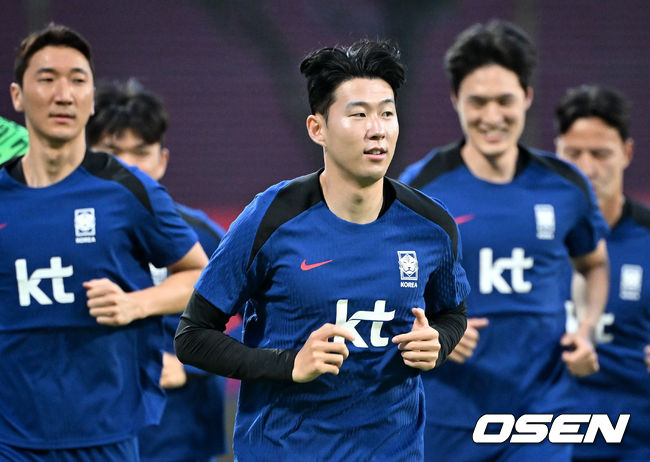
[(201, 342), (451, 325)]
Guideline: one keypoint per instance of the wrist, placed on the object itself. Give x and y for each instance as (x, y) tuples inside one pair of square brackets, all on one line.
[(140, 305), (587, 331)]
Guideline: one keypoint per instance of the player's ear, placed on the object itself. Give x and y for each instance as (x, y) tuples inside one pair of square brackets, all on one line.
[(317, 128), (164, 160), (529, 96), (454, 101), (628, 149), (16, 96)]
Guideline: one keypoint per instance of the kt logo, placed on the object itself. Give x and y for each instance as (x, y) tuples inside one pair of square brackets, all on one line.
[(491, 272), (378, 317), (28, 285)]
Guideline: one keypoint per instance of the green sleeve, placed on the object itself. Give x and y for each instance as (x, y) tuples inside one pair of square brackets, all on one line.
[(13, 140)]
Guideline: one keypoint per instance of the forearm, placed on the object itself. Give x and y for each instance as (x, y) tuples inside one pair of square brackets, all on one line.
[(596, 290), (450, 325), (201, 342), (170, 296)]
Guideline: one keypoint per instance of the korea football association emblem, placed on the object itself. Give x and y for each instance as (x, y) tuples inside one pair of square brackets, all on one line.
[(545, 221), (84, 225), (408, 268)]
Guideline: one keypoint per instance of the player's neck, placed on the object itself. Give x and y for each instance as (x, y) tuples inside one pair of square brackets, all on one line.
[(495, 168), (45, 164), (612, 208), (350, 201)]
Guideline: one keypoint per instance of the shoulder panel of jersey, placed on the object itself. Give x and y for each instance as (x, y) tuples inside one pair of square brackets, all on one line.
[(558, 166), (197, 219), (294, 198), (429, 208), (638, 211), (107, 167), (443, 160)]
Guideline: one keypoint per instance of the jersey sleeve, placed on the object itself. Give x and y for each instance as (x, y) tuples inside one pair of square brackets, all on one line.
[(589, 228), (233, 274), (163, 235), (208, 232), (447, 286)]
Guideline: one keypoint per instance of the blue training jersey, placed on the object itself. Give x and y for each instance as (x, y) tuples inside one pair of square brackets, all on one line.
[(192, 426), (66, 380), (517, 238), (623, 383), (296, 266)]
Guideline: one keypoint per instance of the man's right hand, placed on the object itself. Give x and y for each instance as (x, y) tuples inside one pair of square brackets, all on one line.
[(465, 348), (320, 356)]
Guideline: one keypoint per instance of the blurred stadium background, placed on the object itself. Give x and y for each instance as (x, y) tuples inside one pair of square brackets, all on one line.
[(228, 72)]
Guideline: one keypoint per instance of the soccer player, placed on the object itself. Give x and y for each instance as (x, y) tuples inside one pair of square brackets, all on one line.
[(521, 215), (78, 340), (131, 122), (351, 283), (592, 133)]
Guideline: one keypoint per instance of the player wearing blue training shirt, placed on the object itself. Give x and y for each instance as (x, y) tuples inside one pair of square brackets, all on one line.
[(522, 215), (130, 123), (351, 284), (592, 133), (79, 345)]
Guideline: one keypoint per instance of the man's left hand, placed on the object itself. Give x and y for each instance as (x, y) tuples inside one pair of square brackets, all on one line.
[(420, 347)]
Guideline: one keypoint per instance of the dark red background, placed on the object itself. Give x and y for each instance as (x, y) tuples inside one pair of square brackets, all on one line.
[(228, 72)]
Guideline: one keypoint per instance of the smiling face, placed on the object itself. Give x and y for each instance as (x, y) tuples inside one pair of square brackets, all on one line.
[(360, 132), (598, 150), (56, 94), (491, 106)]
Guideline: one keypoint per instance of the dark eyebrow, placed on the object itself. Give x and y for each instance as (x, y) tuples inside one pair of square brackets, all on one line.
[(366, 104), (482, 98), (44, 70), (602, 150)]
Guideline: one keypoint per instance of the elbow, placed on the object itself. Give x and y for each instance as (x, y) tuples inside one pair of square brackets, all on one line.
[(180, 347), (183, 342)]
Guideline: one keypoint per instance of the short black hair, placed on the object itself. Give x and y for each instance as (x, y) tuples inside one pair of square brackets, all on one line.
[(497, 42), (593, 101), (51, 35), (327, 68), (127, 105)]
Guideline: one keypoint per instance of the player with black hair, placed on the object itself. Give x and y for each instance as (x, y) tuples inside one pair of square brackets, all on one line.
[(592, 126), (80, 331), (351, 284), (522, 215), (130, 122)]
